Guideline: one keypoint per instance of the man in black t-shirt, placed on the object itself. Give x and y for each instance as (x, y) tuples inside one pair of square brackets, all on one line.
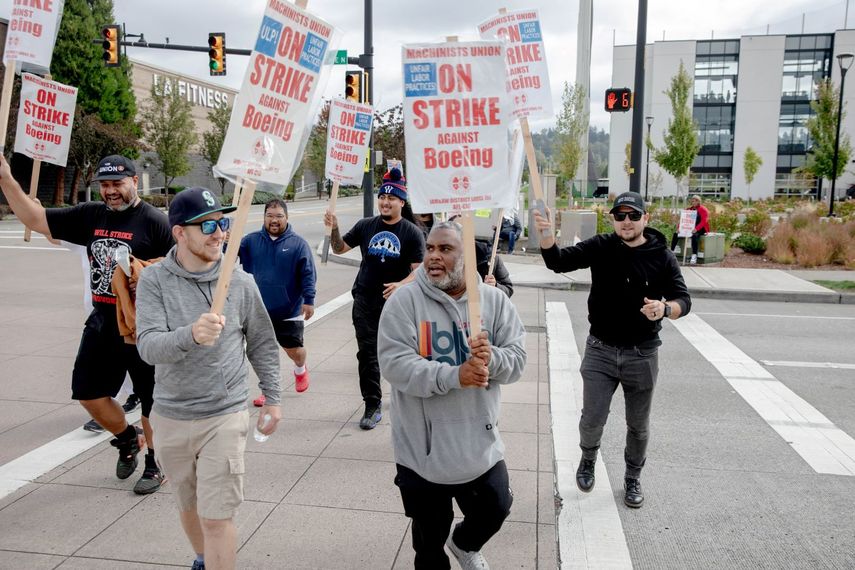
[(392, 248), (122, 223)]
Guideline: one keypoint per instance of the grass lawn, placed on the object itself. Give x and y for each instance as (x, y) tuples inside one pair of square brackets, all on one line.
[(837, 285)]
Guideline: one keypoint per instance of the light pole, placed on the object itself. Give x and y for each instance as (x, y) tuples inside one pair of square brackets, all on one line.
[(649, 121), (845, 62)]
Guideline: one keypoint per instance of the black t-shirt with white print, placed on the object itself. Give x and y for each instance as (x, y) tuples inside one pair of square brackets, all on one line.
[(142, 230), (388, 250)]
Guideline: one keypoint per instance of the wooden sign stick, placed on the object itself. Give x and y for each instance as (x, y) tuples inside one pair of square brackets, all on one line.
[(230, 257), (34, 182), (6, 102), (236, 195), (325, 252), (470, 264), (533, 175), (496, 241)]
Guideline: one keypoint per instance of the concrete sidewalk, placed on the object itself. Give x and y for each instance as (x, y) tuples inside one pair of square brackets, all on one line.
[(703, 281)]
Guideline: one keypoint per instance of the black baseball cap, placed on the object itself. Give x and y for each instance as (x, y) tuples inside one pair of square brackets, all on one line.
[(193, 203), (631, 199), (115, 167)]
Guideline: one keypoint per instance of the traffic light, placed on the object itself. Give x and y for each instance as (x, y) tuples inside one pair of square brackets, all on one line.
[(110, 45), (217, 53), (353, 86), (618, 99)]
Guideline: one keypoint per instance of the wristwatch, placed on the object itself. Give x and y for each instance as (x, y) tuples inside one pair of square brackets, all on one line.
[(666, 313)]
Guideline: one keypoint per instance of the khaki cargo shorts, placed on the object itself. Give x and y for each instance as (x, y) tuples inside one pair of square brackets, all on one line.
[(204, 462)]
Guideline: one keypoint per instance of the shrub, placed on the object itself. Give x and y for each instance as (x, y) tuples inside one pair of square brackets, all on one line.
[(781, 245), (5, 211), (813, 248), (750, 243), (726, 223), (756, 222), (803, 218)]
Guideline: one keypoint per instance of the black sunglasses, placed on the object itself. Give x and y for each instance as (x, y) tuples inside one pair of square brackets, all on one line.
[(621, 216), (210, 226)]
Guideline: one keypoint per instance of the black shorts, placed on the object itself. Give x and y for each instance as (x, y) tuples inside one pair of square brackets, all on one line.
[(289, 334), (103, 359)]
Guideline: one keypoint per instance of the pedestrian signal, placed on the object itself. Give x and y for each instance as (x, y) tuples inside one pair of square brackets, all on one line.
[(353, 86), (217, 53), (110, 45), (618, 99)]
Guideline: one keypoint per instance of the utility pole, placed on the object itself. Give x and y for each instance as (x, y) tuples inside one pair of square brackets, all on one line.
[(367, 63), (637, 140)]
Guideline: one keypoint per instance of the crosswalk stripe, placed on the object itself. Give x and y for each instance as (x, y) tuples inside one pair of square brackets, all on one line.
[(590, 534), (798, 364), (825, 447)]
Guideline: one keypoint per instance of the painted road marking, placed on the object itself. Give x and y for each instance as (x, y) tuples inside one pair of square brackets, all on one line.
[(590, 534), (825, 447), (797, 364), (776, 316), (30, 466)]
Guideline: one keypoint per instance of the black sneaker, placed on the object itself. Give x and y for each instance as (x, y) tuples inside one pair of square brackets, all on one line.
[(633, 497), (93, 426), (197, 565), (128, 452), (371, 417), (131, 403), (585, 475), (151, 480)]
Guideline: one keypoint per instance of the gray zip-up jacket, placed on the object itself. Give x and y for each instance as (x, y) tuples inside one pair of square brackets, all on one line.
[(194, 381), (445, 433)]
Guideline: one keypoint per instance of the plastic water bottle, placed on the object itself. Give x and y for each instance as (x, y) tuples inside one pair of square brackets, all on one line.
[(261, 437)]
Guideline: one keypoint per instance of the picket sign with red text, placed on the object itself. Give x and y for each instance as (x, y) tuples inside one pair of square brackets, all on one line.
[(31, 32), (528, 73), (456, 115), (687, 223), (348, 135), (45, 119), (279, 97)]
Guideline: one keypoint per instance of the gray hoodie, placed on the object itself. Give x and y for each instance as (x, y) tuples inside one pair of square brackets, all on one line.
[(194, 381), (445, 433)]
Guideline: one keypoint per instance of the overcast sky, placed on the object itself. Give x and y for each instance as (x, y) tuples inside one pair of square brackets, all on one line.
[(407, 21)]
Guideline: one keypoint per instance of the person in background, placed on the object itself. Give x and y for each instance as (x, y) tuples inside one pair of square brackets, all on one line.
[(511, 230), (702, 226)]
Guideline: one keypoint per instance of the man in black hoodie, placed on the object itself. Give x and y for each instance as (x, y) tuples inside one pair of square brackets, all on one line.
[(635, 283)]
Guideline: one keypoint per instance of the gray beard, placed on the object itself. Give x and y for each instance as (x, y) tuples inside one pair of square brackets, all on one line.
[(451, 281)]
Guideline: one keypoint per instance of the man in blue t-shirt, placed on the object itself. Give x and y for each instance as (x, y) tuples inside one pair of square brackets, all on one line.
[(391, 248), (282, 265)]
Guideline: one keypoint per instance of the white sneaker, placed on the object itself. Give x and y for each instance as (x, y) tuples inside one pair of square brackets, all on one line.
[(693, 260), (467, 560)]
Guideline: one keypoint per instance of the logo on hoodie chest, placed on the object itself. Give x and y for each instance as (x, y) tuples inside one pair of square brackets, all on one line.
[(443, 345)]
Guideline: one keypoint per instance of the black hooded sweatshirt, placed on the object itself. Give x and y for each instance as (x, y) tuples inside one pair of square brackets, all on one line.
[(621, 277)]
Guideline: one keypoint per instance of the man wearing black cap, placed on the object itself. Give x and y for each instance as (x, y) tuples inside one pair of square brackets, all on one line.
[(200, 397), (121, 223), (635, 284), (392, 248)]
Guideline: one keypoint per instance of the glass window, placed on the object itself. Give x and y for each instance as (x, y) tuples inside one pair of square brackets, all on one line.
[(703, 48), (733, 46), (717, 48), (792, 42), (808, 42)]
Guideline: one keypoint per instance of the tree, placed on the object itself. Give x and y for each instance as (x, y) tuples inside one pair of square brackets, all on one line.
[(751, 164), (169, 130), (212, 140), (315, 157), (572, 126), (681, 138), (389, 133), (822, 127), (627, 159)]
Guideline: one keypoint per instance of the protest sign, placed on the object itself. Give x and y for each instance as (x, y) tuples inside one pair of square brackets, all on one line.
[(456, 112), (31, 32), (45, 119), (687, 223), (528, 74), (280, 95), (348, 135)]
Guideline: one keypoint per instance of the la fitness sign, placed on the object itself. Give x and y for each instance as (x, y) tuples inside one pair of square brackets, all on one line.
[(196, 94)]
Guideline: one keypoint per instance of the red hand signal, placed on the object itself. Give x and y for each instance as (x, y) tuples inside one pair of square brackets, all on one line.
[(611, 100)]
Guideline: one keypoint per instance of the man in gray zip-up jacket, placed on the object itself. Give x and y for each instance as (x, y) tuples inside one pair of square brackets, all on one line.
[(445, 397), (200, 396)]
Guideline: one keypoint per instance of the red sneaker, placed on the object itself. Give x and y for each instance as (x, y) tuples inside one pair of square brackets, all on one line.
[(258, 402), (302, 381)]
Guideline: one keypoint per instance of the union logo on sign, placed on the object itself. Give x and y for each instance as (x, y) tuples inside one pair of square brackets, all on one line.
[(459, 183)]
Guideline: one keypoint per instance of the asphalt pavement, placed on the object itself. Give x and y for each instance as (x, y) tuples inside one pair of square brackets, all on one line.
[(751, 461)]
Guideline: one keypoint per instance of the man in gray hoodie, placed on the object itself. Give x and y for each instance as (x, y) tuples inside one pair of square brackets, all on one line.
[(200, 395), (445, 397)]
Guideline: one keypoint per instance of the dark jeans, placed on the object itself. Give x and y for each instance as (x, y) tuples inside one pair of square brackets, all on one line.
[(696, 239), (511, 236), (366, 319), (485, 503), (635, 370)]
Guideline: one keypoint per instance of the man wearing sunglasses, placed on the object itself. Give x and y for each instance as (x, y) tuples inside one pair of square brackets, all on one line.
[(200, 411), (635, 284), (120, 223)]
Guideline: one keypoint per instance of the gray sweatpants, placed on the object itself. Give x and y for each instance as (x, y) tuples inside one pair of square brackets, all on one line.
[(603, 368)]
